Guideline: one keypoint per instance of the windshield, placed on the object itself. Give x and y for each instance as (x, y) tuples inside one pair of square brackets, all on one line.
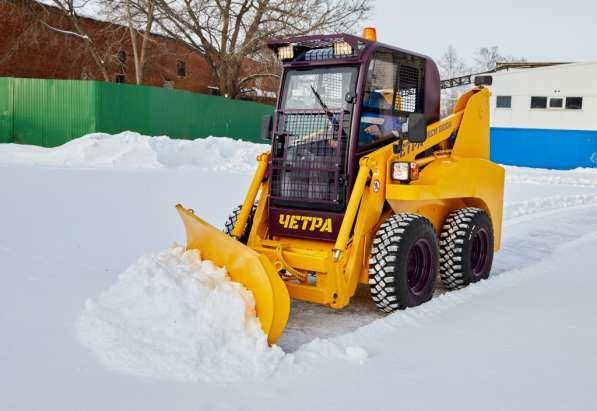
[(318, 89), (311, 137)]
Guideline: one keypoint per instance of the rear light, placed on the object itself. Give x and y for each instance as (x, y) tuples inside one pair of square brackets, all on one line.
[(414, 171), (405, 171)]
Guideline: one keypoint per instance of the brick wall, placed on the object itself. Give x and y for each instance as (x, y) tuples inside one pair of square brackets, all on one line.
[(30, 49)]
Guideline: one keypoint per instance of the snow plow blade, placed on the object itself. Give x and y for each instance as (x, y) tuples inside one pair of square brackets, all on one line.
[(244, 265)]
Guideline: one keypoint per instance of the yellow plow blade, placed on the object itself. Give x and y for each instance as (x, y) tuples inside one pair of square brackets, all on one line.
[(244, 265)]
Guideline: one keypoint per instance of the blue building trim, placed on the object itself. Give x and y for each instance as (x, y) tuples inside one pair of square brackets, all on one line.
[(544, 148)]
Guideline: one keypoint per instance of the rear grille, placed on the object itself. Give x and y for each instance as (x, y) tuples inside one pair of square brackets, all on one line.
[(309, 158)]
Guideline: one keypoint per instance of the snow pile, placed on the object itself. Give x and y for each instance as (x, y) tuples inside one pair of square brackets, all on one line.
[(174, 316), (133, 150)]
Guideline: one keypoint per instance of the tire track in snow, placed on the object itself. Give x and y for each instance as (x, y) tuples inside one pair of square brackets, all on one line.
[(517, 209), (527, 247), (575, 179)]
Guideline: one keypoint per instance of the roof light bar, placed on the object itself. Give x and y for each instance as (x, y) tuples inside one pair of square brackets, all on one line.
[(342, 48), (286, 52)]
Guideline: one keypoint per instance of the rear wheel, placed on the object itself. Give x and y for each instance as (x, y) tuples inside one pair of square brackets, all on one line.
[(404, 262), (231, 222), (466, 248)]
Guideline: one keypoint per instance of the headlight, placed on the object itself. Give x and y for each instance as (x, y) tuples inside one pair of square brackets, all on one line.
[(405, 171), (400, 171)]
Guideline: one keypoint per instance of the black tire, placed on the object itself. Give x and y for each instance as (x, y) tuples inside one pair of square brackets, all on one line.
[(403, 265), (231, 222), (466, 248)]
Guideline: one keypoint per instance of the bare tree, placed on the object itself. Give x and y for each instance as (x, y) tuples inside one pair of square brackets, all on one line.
[(260, 77), (139, 17), (486, 58), (228, 32), (71, 8), (450, 66)]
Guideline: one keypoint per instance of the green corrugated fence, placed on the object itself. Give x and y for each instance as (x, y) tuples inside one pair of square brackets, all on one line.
[(6, 110), (51, 112)]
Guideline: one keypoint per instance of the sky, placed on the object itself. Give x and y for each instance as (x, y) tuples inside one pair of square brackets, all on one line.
[(540, 30)]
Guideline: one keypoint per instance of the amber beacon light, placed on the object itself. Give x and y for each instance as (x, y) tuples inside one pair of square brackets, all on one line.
[(370, 33)]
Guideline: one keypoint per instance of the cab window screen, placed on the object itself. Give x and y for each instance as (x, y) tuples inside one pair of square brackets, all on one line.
[(381, 79), (393, 90)]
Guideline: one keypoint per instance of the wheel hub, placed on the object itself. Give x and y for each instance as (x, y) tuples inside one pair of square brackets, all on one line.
[(419, 266), (479, 252)]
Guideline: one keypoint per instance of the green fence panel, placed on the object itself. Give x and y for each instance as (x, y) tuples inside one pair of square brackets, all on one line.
[(51, 112), (175, 113), (147, 110), (6, 110)]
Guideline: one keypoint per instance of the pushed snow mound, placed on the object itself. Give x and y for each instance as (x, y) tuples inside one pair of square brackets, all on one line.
[(174, 316), (133, 150)]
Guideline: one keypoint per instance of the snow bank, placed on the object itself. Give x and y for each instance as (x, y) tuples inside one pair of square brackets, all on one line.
[(133, 150), (174, 316)]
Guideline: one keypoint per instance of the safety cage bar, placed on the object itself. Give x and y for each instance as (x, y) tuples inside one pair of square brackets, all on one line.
[(308, 166)]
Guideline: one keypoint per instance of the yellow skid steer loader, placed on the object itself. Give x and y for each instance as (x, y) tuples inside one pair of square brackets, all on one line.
[(364, 183)]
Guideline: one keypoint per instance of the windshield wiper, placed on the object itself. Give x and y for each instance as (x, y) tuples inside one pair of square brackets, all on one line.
[(324, 106)]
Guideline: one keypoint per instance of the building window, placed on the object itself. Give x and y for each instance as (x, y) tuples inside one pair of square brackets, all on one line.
[(574, 103), (120, 78), (538, 102), (556, 102), (503, 102), (181, 68), (214, 91), (122, 56)]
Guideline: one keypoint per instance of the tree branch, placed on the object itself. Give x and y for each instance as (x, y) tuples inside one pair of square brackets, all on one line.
[(67, 32)]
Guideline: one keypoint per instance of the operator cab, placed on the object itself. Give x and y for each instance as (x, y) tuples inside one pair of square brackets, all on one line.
[(341, 96)]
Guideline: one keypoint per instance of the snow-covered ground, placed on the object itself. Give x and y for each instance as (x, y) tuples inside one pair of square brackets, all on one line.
[(75, 217)]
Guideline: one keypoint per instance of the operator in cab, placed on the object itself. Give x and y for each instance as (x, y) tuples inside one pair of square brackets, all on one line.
[(376, 123)]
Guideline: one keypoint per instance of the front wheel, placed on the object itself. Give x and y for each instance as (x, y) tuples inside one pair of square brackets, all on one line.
[(404, 262)]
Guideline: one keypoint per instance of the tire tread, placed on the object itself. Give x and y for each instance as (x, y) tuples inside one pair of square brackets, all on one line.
[(382, 267)]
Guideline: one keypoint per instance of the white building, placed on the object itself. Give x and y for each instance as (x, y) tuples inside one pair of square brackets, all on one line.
[(545, 116)]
